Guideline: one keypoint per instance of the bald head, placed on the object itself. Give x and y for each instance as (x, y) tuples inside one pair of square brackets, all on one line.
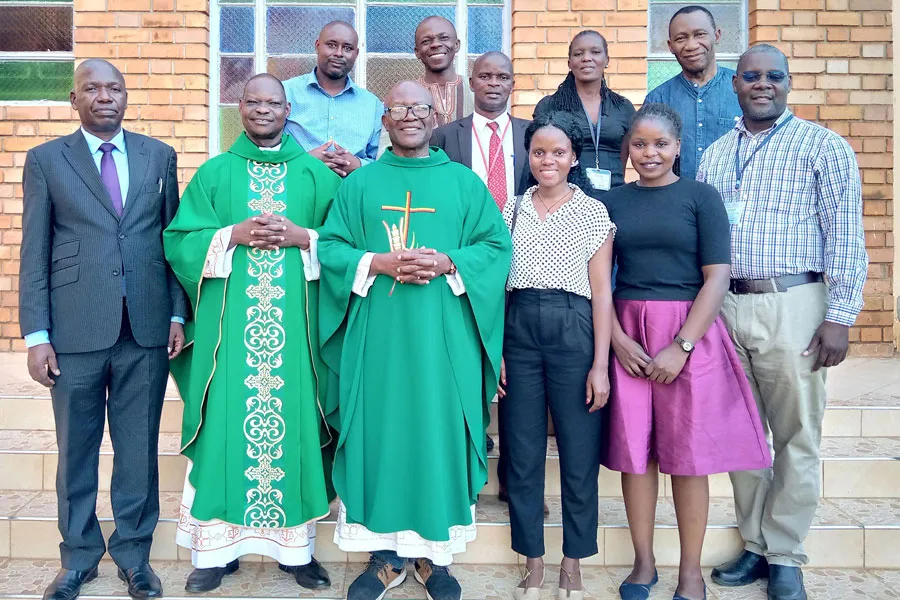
[(436, 20), (763, 49), (265, 83), (98, 67), (496, 58), (343, 27), (100, 97), (408, 93), (436, 44)]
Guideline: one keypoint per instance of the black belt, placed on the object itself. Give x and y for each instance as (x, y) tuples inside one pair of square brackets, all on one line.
[(775, 284)]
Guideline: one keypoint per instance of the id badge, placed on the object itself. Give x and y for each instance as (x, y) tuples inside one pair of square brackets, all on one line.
[(735, 210), (601, 179)]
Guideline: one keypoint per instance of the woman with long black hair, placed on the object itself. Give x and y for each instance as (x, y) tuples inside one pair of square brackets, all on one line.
[(603, 116)]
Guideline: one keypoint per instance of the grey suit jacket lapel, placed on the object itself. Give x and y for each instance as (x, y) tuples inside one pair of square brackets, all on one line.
[(137, 169), (79, 156), (464, 138)]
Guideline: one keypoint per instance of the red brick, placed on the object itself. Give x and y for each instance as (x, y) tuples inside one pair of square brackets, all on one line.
[(26, 113), (162, 20)]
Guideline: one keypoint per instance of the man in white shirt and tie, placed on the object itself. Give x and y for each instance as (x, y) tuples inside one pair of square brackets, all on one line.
[(491, 142)]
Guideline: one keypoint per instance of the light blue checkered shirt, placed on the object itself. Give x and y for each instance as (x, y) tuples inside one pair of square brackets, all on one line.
[(803, 208), (352, 118)]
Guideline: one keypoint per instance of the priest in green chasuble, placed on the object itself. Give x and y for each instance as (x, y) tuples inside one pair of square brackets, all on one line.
[(243, 245), (414, 257)]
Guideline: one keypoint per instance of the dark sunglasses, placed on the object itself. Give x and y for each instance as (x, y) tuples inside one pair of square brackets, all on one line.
[(773, 76), (399, 112)]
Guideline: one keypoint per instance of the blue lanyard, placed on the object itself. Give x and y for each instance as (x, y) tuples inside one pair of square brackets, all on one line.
[(738, 168), (595, 137)]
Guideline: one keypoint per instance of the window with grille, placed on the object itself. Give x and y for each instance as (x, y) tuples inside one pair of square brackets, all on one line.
[(731, 18), (278, 36), (36, 60)]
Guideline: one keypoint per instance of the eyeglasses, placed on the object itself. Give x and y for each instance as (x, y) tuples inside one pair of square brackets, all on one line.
[(754, 76), (419, 111)]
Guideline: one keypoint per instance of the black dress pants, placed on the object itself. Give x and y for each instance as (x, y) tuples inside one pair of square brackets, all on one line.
[(549, 349), (127, 382)]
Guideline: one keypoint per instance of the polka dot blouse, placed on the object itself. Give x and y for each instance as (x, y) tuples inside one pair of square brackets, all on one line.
[(554, 254)]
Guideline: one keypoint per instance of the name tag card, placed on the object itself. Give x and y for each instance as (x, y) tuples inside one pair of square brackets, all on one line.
[(735, 211), (601, 179)]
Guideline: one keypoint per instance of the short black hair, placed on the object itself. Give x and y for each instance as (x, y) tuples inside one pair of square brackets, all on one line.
[(686, 10), (566, 123), (661, 112)]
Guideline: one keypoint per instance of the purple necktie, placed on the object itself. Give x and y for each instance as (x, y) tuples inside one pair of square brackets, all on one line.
[(110, 176)]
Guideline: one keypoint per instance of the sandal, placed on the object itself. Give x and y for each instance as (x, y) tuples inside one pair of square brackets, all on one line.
[(564, 593), (522, 592)]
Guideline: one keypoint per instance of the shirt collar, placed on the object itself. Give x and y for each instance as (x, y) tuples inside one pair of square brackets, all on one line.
[(94, 142), (720, 73), (480, 121), (739, 124), (313, 81), (270, 148)]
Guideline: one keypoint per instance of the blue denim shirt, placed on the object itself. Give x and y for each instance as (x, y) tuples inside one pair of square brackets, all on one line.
[(708, 113), (352, 118)]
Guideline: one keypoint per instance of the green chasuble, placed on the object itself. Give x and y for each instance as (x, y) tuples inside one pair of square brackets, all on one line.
[(251, 378), (412, 372)]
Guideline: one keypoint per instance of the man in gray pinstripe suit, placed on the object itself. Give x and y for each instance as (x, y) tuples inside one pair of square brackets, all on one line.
[(102, 314)]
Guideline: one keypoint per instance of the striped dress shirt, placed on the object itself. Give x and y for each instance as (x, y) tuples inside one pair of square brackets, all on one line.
[(802, 208)]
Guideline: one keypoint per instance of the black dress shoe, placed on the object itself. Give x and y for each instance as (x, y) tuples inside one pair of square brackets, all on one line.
[(206, 580), (312, 576), (786, 583), (142, 582), (744, 570), (490, 444), (67, 584)]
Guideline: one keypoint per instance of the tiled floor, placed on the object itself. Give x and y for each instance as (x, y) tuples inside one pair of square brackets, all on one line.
[(24, 578)]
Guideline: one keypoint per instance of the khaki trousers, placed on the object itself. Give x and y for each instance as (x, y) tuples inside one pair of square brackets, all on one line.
[(775, 507)]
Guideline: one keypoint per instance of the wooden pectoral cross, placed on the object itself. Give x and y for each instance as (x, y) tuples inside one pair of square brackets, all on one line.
[(404, 221)]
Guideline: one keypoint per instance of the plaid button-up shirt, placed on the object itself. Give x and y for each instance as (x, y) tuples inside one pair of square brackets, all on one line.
[(802, 208)]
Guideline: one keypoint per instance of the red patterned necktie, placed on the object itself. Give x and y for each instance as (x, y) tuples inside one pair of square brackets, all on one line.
[(496, 167)]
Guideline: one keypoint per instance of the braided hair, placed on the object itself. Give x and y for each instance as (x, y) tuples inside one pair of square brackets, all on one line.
[(665, 114), (566, 95), (566, 123)]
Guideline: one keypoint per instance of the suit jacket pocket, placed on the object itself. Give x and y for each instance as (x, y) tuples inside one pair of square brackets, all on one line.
[(65, 250), (64, 276)]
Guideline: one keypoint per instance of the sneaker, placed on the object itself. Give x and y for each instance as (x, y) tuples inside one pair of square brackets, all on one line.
[(439, 583), (376, 580)]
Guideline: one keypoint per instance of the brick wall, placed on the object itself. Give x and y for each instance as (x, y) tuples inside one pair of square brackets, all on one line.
[(162, 47), (840, 55)]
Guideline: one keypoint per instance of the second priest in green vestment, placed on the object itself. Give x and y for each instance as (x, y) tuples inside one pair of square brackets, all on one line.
[(413, 368)]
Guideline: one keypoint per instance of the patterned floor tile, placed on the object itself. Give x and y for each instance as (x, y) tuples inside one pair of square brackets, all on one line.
[(239, 584), (856, 447), (891, 580), (870, 512), (11, 501), (24, 440), (274, 583), (19, 577), (844, 584)]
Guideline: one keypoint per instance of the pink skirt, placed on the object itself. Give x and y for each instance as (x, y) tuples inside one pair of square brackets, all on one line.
[(704, 422)]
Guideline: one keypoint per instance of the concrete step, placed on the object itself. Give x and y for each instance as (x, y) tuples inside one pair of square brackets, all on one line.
[(27, 579), (852, 467), (847, 533), (863, 400), (870, 416)]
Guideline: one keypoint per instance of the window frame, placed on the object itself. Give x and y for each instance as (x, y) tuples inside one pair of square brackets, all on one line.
[(260, 56), (37, 56), (668, 57)]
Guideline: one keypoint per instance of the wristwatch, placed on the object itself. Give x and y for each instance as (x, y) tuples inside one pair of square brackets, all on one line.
[(684, 344), (452, 270)]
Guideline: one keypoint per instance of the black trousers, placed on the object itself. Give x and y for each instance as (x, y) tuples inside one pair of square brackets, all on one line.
[(127, 382), (549, 350)]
